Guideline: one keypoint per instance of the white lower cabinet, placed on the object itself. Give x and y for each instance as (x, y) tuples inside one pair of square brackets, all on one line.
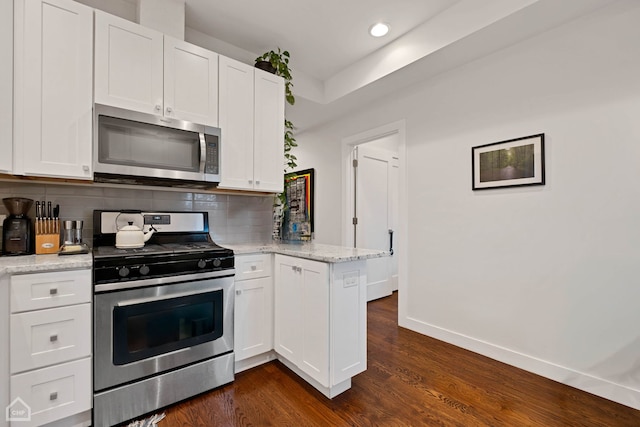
[(253, 314), (320, 320), (50, 347)]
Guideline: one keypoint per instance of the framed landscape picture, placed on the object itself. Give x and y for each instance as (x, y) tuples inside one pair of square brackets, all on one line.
[(510, 163)]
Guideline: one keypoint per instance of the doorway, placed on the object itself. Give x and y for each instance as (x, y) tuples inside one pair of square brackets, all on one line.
[(372, 187)]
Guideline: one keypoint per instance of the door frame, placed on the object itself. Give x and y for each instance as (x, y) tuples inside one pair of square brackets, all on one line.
[(348, 143)]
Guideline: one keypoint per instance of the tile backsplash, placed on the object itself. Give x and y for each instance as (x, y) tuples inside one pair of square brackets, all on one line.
[(232, 218)]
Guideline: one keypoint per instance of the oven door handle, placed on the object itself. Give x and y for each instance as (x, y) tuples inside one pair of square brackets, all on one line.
[(163, 297)]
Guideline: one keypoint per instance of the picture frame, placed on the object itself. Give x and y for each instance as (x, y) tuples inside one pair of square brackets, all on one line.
[(299, 196), (511, 163)]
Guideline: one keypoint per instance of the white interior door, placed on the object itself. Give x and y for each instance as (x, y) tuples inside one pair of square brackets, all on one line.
[(375, 177)]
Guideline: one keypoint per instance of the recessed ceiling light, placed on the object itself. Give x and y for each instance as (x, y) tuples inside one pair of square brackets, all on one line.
[(379, 29)]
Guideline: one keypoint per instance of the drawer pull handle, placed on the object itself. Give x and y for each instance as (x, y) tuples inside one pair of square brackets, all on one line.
[(53, 338), (254, 267), (53, 396), (53, 291)]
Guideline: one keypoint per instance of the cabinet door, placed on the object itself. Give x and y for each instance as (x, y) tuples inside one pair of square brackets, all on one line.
[(302, 315), (54, 52), (6, 86), (190, 82), (236, 123), (314, 310), (287, 308), (128, 65), (253, 317), (269, 132)]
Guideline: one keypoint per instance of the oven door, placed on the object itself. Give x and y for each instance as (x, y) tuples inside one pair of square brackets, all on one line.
[(145, 331)]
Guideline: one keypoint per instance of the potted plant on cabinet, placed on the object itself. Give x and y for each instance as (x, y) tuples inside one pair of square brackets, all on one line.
[(278, 63)]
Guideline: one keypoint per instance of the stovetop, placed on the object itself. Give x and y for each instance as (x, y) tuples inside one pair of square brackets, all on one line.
[(180, 246), (157, 249)]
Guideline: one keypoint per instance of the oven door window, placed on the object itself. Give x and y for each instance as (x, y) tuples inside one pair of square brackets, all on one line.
[(152, 328)]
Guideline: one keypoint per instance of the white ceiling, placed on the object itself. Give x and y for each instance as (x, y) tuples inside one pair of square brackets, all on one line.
[(323, 37)]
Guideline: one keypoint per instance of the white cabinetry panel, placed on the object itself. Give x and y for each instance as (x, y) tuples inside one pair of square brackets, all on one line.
[(54, 393), (141, 69), (6, 86), (252, 123), (46, 337), (52, 289), (253, 315), (302, 315), (269, 132), (190, 82), (53, 88), (236, 123), (129, 65)]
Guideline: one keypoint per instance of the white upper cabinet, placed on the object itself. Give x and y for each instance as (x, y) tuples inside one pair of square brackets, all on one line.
[(252, 122), (190, 82), (236, 124), (53, 88), (268, 168), (129, 65), (6, 86), (141, 69)]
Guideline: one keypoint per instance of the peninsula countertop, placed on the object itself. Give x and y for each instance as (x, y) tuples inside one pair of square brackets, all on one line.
[(308, 250)]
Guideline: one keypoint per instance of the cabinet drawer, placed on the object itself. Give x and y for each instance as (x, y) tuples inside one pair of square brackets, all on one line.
[(51, 289), (54, 393), (252, 266), (45, 337)]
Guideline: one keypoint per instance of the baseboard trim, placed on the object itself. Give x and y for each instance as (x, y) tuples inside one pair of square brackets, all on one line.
[(585, 382)]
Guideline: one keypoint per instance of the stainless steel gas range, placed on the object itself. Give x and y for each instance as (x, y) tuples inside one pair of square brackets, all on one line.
[(163, 314)]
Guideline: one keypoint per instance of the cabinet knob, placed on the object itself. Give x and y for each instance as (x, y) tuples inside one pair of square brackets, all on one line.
[(158, 107), (85, 168), (257, 182), (53, 396), (254, 268), (53, 291), (53, 338), (169, 109), (250, 181), (238, 292)]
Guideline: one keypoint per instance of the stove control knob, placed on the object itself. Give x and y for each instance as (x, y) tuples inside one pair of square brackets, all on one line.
[(202, 263), (123, 271), (144, 270), (217, 262)]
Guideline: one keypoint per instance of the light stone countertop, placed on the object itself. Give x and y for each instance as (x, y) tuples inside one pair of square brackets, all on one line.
[(313, 251), (39, 263)]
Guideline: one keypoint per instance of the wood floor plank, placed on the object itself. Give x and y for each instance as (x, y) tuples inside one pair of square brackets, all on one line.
[(411, 380)]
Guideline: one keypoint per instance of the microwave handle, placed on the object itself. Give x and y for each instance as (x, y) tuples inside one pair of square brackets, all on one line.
[(203, 151)]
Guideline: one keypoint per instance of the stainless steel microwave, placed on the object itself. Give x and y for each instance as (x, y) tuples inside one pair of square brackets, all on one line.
[(129, 145)]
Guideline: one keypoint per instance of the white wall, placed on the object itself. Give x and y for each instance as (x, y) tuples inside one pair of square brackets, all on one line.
[(544, 278)]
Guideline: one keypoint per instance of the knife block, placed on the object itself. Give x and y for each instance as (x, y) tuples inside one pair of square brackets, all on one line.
[(47, 236)]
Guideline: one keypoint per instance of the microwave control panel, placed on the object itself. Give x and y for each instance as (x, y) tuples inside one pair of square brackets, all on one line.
[(212, 165)]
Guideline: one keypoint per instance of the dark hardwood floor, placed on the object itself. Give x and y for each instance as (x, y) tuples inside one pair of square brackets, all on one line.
[(411, 380)]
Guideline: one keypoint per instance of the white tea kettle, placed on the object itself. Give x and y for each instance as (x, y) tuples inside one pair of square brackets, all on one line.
[(131, 236)]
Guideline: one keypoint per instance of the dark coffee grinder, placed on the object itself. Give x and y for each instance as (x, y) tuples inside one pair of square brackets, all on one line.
[(16, 228)]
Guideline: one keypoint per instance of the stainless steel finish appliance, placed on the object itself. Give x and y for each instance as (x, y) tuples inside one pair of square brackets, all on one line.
[(163, 315), (130, 146)]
